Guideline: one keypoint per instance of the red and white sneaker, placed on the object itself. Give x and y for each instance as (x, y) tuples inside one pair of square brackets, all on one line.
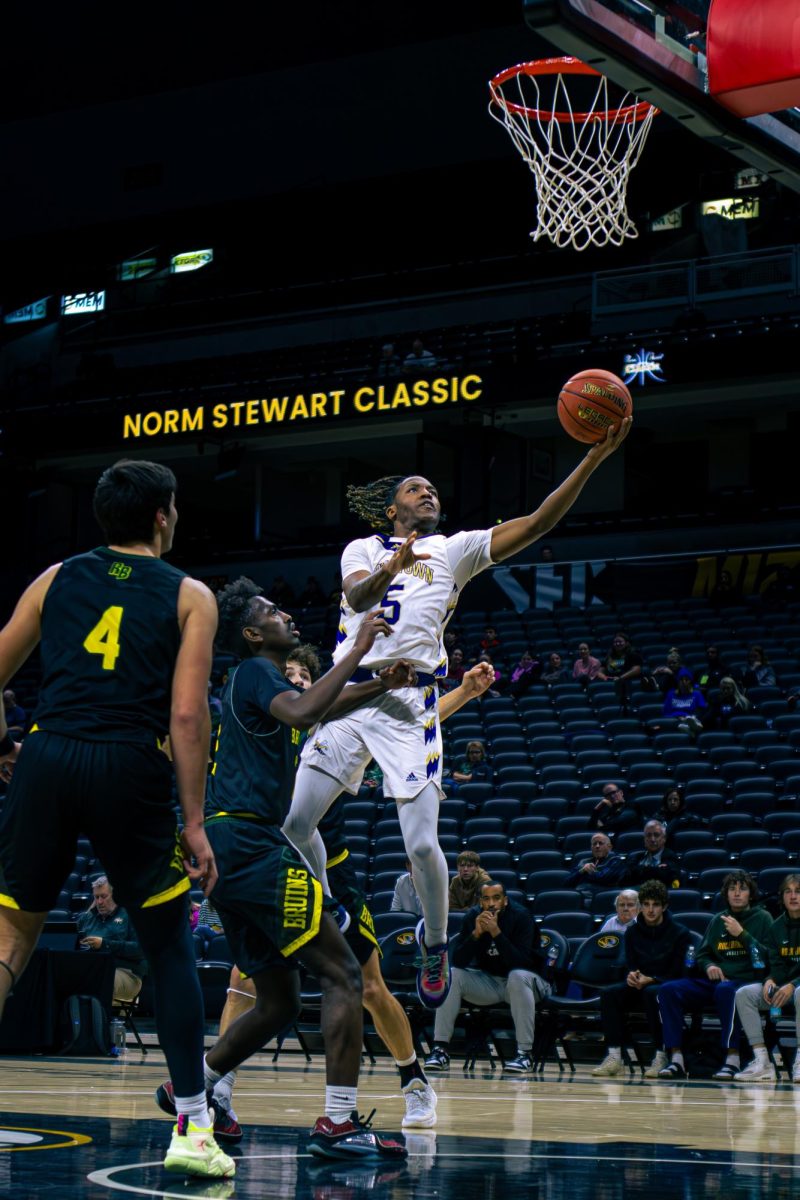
[(226, 1128), (433, 973), (353, 1139)]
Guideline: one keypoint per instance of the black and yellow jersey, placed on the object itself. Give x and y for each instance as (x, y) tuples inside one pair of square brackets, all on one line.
[(110, 638)]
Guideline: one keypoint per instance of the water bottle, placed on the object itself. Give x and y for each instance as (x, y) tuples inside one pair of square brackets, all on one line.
[(756, 957), (117, 1032), (775, 1010), (691, 956)]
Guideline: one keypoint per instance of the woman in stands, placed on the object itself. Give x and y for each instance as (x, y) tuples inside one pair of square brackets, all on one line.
[(758, 672), (730, 701), (674, 817)]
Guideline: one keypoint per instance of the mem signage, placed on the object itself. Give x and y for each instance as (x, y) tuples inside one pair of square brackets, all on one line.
[(30, 312), (733, 208), (671, 220), (190, 260), (83, 302), (301, 407)]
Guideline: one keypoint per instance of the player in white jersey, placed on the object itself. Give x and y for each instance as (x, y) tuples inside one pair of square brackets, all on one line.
[(414, 575)]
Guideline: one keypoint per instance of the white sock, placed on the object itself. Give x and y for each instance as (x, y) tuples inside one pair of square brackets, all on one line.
[(760, 1055), (732, 1059), (418, 821), (220, 1085), (340, 1103), (677, 1058), (195, 1109), (615, 1052)]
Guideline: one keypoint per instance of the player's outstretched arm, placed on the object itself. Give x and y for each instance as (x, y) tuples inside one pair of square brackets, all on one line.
[(190, 723), (513, 536), (363, 591), (474, 684), (20, 637), (303, 710)]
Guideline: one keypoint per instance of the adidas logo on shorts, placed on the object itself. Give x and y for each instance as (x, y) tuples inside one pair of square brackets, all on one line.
[(412, 778)]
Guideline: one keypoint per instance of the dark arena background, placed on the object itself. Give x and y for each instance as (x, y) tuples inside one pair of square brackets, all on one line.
[(284, 249)]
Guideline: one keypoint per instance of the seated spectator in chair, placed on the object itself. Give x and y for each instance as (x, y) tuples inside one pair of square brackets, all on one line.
[(626, 910), (598, 870), (674, 817), (555, 670), (525, 674), (490, 643), (466, 884), (105, 929), (781, 988), (586, 667), (208, 924), (473, 768), (455, 669), (709, 676), (655, 949), (15, 714), (730, 701), (405, 898), (725, 961), (686, 702), (418, 358), (622, 664), (496, 959), (757, 672), (654, 861), (615, 813), (666, 676)]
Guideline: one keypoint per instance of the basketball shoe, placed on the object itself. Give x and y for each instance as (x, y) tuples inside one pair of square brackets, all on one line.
[(433, 971), (226, 1127), (193, 1151), (420, 1101), (352, 1139)]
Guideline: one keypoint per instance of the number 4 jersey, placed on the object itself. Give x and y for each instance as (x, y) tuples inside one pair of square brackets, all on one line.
[(419, 601), (110, 637)]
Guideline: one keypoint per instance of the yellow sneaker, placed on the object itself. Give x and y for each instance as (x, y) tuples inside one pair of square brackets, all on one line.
[(193, 1151)]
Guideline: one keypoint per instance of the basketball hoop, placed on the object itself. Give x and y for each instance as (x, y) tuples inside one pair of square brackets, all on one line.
[(581, 161)]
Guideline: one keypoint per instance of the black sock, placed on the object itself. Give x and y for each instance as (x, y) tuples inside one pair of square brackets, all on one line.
[(411, 1071)]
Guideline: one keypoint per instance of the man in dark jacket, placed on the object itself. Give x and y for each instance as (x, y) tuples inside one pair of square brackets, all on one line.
[(655, 861), (655, 949), (599, 869), (496, 959), (106, 929), (615, 813)]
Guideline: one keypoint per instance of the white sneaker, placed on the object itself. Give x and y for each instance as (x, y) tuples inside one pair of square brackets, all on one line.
[(193, 1151), (609, 1066), (420, 1101), (760, 1070), (658, 1064)]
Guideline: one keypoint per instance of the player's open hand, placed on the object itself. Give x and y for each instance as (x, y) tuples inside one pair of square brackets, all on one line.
[(404, 556), (374, 623), (477, 679), (198, 858), (612, 441), (399, 675)]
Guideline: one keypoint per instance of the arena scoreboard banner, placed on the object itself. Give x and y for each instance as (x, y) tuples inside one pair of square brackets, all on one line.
[(374, 400)]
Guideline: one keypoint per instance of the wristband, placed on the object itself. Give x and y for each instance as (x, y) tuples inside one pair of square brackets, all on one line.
[(7, 744)]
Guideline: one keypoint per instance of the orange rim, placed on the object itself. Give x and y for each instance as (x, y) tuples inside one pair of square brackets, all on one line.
[(562, 66)]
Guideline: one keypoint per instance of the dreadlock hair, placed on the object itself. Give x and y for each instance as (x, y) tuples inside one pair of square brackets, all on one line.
[(306, 656), (371, 501), (234, 603)]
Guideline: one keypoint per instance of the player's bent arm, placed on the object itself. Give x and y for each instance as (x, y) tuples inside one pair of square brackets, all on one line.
[(474, 684), (190, 718), (303, 710), (513, 536), (20, 636), (363, 591)]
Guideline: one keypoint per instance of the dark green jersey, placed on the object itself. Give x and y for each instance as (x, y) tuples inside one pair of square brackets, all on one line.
[(783, 948), (110, 637), (255, 758)]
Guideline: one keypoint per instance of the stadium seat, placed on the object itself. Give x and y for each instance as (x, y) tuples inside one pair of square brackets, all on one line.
[(570, 924)]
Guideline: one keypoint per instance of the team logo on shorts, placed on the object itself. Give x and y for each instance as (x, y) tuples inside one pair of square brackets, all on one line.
[(320, 747)]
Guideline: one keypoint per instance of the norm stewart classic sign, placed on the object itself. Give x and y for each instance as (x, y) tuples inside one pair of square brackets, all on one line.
[(300, 407)]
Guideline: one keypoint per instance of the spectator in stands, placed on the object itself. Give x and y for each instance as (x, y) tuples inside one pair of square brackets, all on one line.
[(615, 813), (105, 929), (496, 688), (474, 767), (626, 910), (781, 988), (674, 816), (723, 591), (490, 643), (405, 898), (466, 884), (757, 672), (686, 702), (666, 676), (655, 949), (586, 668), (597, 870), (312, 595), (418, 358), (546, 554), (388, 363), (783, 589), (455, 668), (730, 701), (450, 641), (555, 670), (732, 940), (208, 924), (712, 673), (525, 674), (623, 665), (15, 714), (654, 861), (496, 959)]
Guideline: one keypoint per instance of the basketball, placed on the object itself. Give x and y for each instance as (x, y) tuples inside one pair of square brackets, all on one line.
[(591, 401)]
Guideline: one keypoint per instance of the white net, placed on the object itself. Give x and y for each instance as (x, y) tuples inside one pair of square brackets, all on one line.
[(581, 160)]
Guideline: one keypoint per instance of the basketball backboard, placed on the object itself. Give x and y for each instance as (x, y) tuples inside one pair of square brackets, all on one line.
[(658, 52)]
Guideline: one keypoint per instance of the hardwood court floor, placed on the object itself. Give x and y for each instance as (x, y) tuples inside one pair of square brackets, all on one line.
[(98, 1132)]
